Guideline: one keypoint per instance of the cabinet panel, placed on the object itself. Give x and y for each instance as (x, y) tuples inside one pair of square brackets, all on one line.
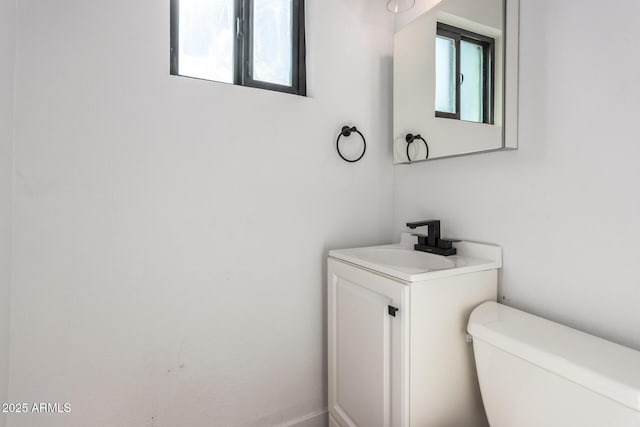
[(362, 352), (442, 359), (365, 348)]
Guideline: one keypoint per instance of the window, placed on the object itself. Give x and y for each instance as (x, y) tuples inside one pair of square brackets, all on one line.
[(257, 43), (464, 75)]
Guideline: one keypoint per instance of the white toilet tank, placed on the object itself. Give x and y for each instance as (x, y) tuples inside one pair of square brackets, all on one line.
[(534, 373)]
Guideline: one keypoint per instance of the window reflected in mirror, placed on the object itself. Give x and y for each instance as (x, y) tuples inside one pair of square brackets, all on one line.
[(464, 75), (472, 77), (446, 86)]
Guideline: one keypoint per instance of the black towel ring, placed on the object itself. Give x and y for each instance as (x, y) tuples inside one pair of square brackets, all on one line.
[(347, 131), (410, 139)]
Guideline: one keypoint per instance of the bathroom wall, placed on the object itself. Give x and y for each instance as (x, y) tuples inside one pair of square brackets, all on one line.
[(565, 206), (420, 7), (171, 233), (7, 62)]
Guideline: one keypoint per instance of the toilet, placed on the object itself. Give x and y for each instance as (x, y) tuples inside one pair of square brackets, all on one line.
[(537, 373)]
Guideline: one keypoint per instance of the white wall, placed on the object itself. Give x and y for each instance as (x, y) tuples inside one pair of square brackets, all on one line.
[(566, 205), (170, 233), (7, 63), (420, 7)]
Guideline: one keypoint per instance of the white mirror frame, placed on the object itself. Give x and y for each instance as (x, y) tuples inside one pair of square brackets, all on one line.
[(512, 68)]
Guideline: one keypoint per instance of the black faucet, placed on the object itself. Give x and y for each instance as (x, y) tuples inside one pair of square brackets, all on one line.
[(432, 242)]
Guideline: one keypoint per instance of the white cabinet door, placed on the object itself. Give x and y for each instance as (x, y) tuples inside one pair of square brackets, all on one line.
[(366, 348)]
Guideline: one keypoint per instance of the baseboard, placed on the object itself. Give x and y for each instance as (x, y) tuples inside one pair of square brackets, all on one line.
[(314, 419)]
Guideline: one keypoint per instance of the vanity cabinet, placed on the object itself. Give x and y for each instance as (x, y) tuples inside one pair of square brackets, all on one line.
[(397, 350)]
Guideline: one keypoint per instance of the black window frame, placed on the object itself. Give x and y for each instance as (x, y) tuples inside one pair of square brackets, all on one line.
[(488, 45), (243, 48)]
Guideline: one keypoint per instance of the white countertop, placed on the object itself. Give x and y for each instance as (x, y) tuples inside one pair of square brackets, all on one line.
[(403, 262)]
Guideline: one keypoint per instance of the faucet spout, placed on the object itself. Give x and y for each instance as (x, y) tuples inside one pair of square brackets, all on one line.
[(433, 230)]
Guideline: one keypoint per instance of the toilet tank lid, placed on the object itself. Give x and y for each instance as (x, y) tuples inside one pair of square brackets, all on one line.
[(604, 367)]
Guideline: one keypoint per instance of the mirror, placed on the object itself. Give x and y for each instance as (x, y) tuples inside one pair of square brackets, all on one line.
[(456, 80)]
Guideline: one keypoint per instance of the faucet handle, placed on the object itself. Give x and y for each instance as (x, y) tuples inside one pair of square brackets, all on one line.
[(423, 239), (440, 243), (444, 244)]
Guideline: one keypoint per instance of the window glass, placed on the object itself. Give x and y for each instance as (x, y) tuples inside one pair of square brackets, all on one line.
[(464, 74), (255, 43), (472, 81), (206, 40), (272, 41), (445, 75)]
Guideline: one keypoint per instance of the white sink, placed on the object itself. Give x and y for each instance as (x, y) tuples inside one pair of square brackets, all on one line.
[(407, 260), (403, 262)]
